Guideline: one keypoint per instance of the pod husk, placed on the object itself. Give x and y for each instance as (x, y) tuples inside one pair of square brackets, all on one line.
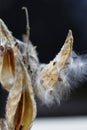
[(51, 72), (21, 106)]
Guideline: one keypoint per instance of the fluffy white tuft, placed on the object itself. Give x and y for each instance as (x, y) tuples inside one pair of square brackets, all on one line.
[(72, 74), (77, 70)]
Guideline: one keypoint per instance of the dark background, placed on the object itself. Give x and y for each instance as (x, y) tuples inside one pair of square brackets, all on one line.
[(50, 21)]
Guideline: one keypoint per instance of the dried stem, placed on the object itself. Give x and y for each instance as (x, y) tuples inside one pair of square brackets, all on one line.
[(27, 35)]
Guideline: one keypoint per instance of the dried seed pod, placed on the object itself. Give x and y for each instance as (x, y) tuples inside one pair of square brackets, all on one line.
[(21, 106), (13, 100), (27, 100), (8, 52), (30, 105), (51, 72), (50, 79)]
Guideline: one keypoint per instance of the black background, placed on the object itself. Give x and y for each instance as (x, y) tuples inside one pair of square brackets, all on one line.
[(50, 21)]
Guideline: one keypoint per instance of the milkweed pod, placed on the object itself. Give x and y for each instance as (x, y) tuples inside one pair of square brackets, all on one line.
[(50, 74), (21, 106), (26, 106)]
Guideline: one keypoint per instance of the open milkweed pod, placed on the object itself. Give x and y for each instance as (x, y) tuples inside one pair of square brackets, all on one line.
[(51, 82), (30, 105), (13, 100), (8, 52), (7, 60), (21, 106), (50, 73), (28, 111)]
